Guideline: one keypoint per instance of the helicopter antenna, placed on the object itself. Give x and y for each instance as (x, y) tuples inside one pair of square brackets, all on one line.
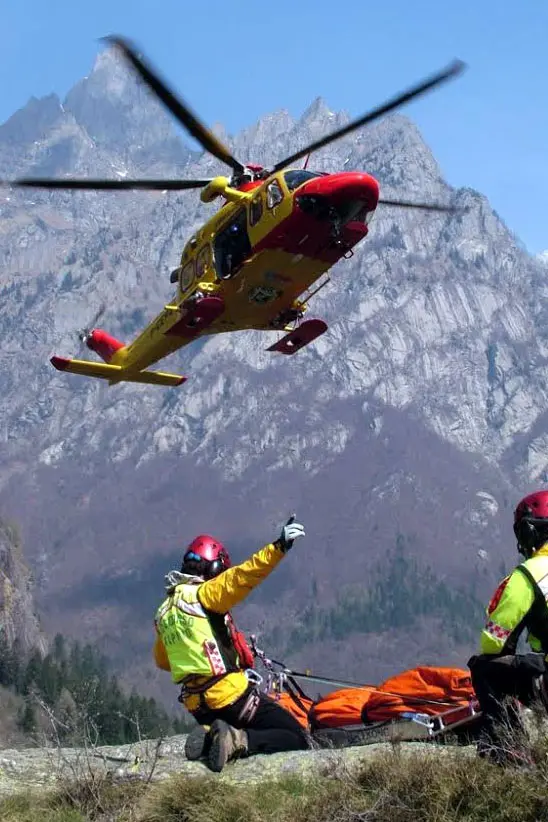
[(306, 161)]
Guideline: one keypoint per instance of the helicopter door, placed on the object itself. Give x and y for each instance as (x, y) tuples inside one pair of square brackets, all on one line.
[(232, 247), (273, 199), (274, 194)]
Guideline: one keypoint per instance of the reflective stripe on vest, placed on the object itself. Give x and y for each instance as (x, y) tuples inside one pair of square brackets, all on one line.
[(192, 608), (188, 636)]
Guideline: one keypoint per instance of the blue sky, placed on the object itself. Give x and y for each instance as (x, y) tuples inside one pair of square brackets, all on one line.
[(235, 60)]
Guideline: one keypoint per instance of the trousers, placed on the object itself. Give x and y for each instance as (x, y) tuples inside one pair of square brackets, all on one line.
[(270, 728), (494, 679)]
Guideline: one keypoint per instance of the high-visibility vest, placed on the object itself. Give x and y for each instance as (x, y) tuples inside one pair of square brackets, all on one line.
[(535, 570), (196, 642)]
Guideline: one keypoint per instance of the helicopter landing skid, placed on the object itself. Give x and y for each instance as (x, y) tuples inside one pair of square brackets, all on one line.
[(306, 333)]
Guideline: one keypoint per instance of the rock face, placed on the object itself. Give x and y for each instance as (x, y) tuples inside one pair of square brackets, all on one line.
[(155, 760), (422, 412), (18, 619)]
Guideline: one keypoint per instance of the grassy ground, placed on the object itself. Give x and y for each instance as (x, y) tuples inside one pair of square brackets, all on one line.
[(394, 787)]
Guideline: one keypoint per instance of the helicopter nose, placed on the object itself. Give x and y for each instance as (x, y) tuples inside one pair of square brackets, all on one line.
[(344, 187)]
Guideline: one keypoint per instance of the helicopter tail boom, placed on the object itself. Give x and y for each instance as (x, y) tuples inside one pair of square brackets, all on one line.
[(115, 373), (104, 344)]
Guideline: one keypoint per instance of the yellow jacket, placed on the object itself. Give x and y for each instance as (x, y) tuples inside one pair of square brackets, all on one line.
[(219, 595)]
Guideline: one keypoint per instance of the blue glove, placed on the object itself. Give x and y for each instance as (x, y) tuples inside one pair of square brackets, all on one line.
[(290, 532)]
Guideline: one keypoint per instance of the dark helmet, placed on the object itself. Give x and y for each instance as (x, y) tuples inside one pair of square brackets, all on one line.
[(205, 557), (531, 522)]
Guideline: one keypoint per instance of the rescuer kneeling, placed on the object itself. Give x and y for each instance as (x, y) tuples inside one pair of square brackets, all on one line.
[(499, 675), (197, 641)]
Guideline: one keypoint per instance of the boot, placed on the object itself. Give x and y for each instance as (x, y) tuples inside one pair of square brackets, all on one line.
[(226, 743), (197, 743)]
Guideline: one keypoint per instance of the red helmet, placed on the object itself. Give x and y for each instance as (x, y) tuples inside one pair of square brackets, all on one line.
[(531, 522), (205, 557)]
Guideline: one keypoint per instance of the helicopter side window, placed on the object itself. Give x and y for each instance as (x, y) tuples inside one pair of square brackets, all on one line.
[(255, 210), (232, 247), (203, 262), (186, 276), (274, 194)]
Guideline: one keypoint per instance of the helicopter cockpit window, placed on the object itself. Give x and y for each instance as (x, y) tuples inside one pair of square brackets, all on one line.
[(297, 176), (274, 194), (256, 210), (232, 247)]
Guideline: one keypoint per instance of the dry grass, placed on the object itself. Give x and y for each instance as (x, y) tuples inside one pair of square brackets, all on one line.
[(102, 802), (436, 788), (209, 801), (397, 786)]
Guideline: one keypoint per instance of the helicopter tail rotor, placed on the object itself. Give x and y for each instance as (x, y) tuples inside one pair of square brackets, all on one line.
[(85, 333)]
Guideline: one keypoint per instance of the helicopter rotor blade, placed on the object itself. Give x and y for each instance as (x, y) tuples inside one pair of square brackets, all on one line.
[(180, 110), (423, 206), (106, 185), (454, 68)]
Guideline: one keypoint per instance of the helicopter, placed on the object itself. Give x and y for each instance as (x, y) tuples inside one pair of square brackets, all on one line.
[(254, 263)]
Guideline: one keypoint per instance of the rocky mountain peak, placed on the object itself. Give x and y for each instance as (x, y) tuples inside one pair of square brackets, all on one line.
[(120, 114), (111, 77), (318, 110), (31, 122), (263, 142)]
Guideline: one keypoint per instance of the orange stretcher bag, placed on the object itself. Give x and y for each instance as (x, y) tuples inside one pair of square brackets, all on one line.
[(427, 690), (340, 708)]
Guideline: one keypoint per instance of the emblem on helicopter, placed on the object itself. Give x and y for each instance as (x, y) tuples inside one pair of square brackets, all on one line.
[(263, 294)]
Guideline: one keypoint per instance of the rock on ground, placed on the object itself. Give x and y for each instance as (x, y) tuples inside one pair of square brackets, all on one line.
[(154, 760)]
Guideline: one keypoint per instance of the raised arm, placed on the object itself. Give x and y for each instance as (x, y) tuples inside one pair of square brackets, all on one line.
[(222, 593)]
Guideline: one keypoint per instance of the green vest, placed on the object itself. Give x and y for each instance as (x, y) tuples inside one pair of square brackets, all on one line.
[(193, 639), (535, 570)]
